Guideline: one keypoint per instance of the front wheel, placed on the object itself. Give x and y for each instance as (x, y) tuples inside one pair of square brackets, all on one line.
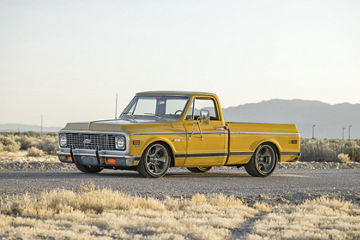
[(263, 162), (155, 161), (199, 169)]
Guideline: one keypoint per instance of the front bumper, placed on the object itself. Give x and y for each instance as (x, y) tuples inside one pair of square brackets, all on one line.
[(102, 158)]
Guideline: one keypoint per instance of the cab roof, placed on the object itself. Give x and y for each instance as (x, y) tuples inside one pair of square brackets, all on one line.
[(181, 93)]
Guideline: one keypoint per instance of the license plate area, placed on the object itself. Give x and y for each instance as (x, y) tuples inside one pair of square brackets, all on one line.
[(88, 160)]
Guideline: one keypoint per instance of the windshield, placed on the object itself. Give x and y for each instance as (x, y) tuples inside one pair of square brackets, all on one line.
[(156, 107)]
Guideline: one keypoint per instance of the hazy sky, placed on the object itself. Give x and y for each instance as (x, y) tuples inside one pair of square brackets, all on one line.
[(67, 59)]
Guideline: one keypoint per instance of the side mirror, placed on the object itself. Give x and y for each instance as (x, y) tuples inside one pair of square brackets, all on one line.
[(205, 116)]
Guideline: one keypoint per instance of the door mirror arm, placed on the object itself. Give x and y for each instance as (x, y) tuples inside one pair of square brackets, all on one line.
[(197, 123)]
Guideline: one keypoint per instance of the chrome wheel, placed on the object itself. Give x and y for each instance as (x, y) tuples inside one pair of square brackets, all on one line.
[(157, 160), (263, 162), (265, 159)]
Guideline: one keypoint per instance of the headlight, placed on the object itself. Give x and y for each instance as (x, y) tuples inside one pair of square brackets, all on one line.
[(62, 140), (120, 142)]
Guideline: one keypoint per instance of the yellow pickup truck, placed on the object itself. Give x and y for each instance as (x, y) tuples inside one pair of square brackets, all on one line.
[(164, 129)]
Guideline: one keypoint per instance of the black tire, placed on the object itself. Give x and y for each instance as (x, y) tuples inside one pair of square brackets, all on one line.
[(88, 169), (199, 169), (155, 160), (263, 162)]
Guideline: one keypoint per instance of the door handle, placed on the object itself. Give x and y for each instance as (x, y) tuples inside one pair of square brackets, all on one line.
[(222, 128)]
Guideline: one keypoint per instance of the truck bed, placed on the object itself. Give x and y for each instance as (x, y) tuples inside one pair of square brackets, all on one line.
[(244, 138)]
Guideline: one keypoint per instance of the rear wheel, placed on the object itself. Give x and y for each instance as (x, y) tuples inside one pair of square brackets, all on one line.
[(88, 169), (199, 169), (263, 162), (155, 161)]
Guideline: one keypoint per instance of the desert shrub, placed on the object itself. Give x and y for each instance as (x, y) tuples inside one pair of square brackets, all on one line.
[(24, 141), (352, 149), (321, 150), (34, 152), (317, 150), (28, 142), (344, 157), (48, 144), (9, 143), (1, 147)]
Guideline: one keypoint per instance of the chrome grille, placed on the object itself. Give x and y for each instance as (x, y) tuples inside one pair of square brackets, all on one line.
[(90, 141)]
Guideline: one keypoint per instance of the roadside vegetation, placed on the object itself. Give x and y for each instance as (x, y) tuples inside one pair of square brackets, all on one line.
[(93, 213), (31, 142), (330, 150), (107, 214), (29, 149), (321, 218)]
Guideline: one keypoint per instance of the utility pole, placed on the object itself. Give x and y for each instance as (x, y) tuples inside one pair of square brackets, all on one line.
[(349, 131), (343, 133), (116, 102), (313, 131), (41, 124)]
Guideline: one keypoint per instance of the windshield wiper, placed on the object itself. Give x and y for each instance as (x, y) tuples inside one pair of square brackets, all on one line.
[(128, 116)]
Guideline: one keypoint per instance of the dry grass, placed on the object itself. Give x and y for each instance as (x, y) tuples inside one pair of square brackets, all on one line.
[(107, 214), (35, 152), (22, 160), (322, 218)]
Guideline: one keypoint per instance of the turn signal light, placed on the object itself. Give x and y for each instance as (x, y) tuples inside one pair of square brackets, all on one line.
[(69, 158), (136, 142), (111, 160)]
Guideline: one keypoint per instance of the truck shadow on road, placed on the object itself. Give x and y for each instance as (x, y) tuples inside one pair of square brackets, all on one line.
[(124, 174)]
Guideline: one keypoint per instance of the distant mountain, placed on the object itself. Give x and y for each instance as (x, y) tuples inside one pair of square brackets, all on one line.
[(25, 128), (329, 119)]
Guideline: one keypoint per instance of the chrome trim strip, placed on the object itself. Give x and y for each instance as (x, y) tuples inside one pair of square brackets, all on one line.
[(201, 155), (241, 151), (208, 157), (265, 133), (241, 155), (89, 132), (289, 155), (158, 133), (175, 133)]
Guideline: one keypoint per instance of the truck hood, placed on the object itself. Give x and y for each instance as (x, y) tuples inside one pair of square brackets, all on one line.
[(117, 125)]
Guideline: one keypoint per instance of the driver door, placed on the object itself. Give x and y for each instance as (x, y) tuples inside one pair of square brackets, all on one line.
[(206, 142)]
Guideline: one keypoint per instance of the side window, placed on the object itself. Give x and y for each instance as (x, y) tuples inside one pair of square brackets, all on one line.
[(202, 104), (175, 106)]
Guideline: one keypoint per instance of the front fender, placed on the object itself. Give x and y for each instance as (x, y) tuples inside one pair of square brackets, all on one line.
[(148, 141)]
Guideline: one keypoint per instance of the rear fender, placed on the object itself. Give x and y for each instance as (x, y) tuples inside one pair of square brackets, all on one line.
[(256, 144)]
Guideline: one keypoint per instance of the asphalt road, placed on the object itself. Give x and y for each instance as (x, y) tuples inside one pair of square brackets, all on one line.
[(291, 184)]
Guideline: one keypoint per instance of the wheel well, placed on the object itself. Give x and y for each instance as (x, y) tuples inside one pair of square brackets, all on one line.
[(274, 147), (172, 163)]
